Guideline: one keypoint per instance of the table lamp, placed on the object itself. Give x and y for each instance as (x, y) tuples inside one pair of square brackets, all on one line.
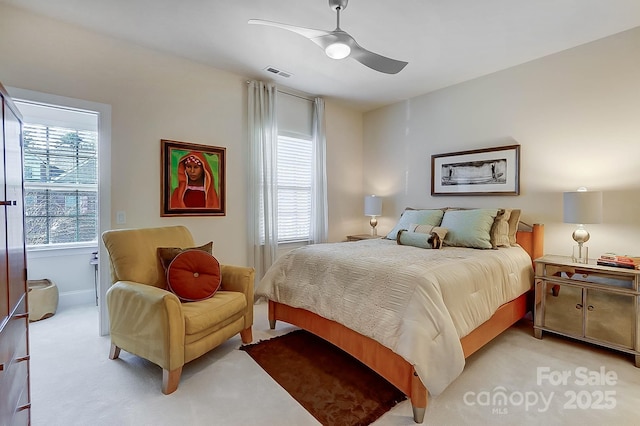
[(373, 208), (582, 207)]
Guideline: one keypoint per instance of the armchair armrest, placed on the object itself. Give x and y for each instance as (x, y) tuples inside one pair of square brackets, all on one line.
[(147, 321), (241, 279)]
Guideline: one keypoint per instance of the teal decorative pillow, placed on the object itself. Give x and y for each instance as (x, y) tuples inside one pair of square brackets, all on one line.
[(428, 229), (425, 240), (469, 228), (419, 217)]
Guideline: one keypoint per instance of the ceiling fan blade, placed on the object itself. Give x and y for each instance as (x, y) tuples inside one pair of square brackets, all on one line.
[(309, 33), (372, 60), (375, 61)]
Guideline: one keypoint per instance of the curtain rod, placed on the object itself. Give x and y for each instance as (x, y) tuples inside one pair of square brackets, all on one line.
[(296, 96), (310, 99)]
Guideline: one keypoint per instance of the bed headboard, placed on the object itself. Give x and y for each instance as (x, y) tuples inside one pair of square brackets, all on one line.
[(532, 241)]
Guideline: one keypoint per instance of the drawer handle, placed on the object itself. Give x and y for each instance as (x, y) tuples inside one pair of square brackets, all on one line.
[(590, 308), (578, 306), (8, 203)]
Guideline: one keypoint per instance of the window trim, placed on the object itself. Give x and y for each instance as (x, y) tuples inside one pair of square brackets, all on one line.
[(50, 124), (104, 157)]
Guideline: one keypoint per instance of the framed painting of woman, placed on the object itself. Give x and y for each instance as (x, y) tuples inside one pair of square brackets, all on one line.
[(193, 179)]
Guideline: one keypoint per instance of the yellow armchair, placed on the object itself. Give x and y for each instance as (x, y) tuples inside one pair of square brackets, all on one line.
[(151, 322)]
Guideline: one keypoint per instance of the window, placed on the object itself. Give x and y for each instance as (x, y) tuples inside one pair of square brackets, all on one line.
[(60, 174), (294, 188), (294, 167)]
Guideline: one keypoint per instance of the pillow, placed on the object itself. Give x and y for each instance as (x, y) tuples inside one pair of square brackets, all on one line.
[(469, 228), (500, 229), (514, 220), (419, 239), (167, 254), (194, 275), (428, 229), (420, 217)]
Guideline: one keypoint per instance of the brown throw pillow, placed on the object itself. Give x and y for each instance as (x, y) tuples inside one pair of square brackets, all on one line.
[(514, 221), (167, 254), (500, 229), (193, 275)]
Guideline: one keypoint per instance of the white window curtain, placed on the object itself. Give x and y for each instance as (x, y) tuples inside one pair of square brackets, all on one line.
[(319, 219), (263, 194)]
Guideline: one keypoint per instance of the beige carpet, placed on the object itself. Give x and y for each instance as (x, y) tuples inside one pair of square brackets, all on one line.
[(74, 383)]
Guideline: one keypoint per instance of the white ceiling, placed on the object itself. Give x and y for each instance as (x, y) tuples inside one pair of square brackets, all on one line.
[(444, 41)]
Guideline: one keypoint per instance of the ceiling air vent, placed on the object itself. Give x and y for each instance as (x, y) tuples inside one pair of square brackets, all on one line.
[(276, 71)]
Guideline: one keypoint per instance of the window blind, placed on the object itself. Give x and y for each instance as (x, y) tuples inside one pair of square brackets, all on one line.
[(294, 188), (61, 184)]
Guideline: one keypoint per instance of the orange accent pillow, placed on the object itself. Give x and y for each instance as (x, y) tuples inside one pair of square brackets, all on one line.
[(194, 275)]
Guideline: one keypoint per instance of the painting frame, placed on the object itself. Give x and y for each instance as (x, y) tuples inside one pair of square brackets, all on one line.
[(182, 196), (487, 171)]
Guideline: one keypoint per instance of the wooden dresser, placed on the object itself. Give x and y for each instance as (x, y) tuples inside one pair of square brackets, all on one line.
[(15, 401)]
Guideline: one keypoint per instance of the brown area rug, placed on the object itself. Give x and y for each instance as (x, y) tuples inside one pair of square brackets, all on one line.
[(333, 386)]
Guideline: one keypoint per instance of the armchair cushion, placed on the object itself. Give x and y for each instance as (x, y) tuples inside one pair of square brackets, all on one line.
[(193, 275), (211, 314)]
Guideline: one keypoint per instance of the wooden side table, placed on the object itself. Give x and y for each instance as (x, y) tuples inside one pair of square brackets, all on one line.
[(359, 237), (588, 302)]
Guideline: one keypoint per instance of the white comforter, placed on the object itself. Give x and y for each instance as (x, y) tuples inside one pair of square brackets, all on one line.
[(417, 302)]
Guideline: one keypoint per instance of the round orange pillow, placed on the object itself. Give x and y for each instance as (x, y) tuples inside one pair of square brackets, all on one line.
[(194, 275)]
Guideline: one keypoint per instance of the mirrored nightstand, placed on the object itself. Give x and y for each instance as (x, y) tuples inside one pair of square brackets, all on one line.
[(588, 302)]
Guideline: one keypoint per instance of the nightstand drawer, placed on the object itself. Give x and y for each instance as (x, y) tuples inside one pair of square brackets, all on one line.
[(579, 274)]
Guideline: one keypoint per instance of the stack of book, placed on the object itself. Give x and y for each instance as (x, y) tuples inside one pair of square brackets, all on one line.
[(615, 260)]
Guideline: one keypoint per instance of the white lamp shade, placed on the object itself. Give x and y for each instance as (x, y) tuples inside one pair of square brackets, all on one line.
[(372, 205), (582, 207)]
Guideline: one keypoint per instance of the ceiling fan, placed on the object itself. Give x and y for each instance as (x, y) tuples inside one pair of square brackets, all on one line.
[(337, 44)]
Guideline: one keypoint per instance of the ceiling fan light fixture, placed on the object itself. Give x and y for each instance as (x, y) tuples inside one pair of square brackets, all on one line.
[(338, 44), (337, 50)]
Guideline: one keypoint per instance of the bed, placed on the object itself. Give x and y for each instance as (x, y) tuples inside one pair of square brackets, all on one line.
[(411, 312)]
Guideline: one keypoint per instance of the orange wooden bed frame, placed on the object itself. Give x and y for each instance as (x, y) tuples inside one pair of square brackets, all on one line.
[(392, 366)]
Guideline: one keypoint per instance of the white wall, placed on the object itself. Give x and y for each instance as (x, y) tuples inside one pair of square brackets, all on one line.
[(155, 96), (344, 172), (71, 272), (576, 115)]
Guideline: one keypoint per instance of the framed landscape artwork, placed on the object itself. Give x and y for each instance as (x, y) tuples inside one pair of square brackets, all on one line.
[(489, 171), (193, 179)]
